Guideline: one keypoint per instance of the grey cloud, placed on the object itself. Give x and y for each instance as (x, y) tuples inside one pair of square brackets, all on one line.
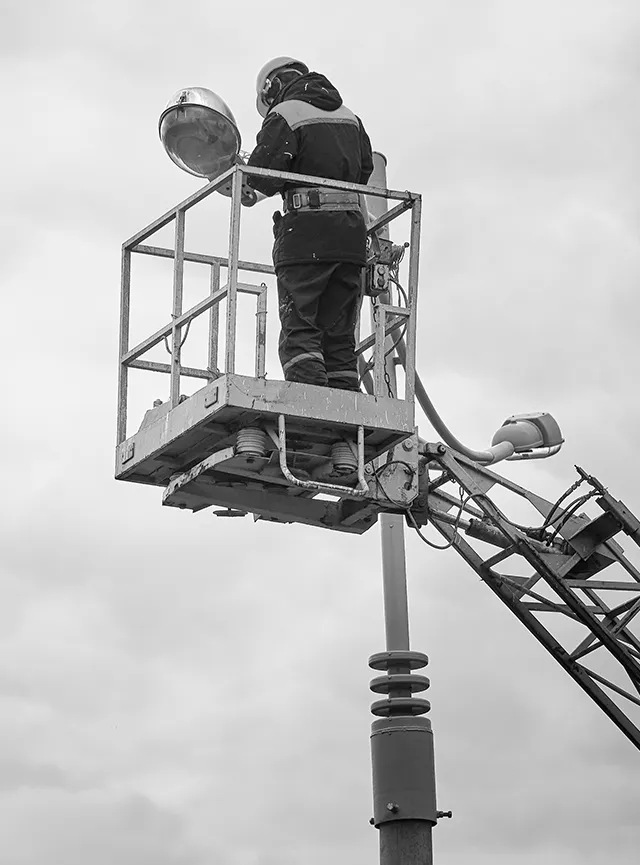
[(208, 681), (65, 829)]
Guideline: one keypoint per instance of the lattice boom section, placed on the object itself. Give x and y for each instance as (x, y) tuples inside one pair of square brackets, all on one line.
[(577, 593)]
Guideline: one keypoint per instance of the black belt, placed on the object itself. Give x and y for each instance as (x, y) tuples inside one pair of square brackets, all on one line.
[(318, 199)]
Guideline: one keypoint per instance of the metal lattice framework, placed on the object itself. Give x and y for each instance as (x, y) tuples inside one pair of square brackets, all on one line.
[(388, 317), (191, 448), (189, 444), (577, 567)]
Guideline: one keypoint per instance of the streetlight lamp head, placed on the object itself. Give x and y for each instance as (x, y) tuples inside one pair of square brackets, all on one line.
[(199, 132), (530, 432)]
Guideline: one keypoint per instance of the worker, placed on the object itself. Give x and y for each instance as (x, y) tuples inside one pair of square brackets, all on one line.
[(320, 242)]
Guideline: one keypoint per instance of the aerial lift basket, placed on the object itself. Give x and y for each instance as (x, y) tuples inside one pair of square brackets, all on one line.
[(284, 451)]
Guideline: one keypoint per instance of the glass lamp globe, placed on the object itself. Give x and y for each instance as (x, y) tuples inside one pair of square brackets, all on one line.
[(199, 132)]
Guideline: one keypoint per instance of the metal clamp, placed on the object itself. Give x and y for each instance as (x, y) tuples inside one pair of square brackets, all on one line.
[(359, 491)]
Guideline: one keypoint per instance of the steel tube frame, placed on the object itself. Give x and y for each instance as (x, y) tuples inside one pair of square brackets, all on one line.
[(618, 645), (577, 672), (302, 179), (185, 318), (280, 440), (232, 275), (261, 333), (123, 372), (178, 290), (187, 371), (199, 258), (414, 263), (131, 357), (214, 320), (370, 340)]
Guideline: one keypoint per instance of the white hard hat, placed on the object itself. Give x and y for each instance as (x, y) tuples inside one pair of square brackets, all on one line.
[(265, 74)]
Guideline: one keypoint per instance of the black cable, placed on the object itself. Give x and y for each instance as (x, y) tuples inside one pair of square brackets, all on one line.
[(557, 504), (456, 524), (369, 365), (182, 341), (400, 289), (570, 512), (397, 342), (425, 539), (379, 482), (538, 532)]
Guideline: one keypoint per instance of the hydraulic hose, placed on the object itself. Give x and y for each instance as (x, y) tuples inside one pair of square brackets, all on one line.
[(494, 454)]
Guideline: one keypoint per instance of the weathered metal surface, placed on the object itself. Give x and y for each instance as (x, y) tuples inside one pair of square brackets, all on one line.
[(271, 503), (394, 583), (261, 333), (214, 319), (179, 437), (403, 770), (123, 372), (406, 842), (560, 582), (412, 292), (193, 430), (360, 490), (176, 327), (188, 371), (232, 286)]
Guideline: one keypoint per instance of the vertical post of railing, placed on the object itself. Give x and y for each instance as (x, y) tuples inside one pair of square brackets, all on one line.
[(214, 321), (232, 281), (379, 367), (261, 332), (414, 265), (178, 285), (377, 207), (123, 369)]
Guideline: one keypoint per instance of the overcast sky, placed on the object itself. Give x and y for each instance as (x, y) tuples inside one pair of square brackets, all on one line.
[(179, 690)]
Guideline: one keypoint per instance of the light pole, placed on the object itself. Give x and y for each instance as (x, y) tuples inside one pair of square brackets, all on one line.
[(404, 796)]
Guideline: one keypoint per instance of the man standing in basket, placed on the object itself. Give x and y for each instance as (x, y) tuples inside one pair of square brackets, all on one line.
[(320, 242)]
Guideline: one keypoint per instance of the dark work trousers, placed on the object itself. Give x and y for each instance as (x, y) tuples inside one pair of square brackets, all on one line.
[(319, 305)]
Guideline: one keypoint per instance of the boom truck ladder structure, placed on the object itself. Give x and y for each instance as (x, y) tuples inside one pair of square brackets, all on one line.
[(578, 572), (289, 452)]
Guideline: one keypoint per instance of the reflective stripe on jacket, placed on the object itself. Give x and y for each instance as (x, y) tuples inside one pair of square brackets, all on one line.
[(309, 131)]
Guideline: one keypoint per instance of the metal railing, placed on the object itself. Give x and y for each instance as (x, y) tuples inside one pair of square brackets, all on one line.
[(389, 318)]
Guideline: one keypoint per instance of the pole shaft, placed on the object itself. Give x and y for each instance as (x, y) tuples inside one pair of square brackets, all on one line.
[(406, 842), (394, 583)]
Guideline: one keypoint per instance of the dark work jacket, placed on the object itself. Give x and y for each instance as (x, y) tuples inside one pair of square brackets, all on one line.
[(309, 131)]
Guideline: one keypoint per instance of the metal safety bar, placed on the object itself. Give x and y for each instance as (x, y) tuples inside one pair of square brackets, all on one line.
[(280, 440), (176, 330)]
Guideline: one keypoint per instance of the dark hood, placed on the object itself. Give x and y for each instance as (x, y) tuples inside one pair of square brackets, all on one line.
[(314, 89)]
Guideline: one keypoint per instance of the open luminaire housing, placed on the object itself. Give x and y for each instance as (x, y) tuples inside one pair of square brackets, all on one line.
[(199, 132)]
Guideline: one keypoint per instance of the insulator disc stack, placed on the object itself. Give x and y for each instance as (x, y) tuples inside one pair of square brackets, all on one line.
[(251, 442), (400, 683), (343, 458)]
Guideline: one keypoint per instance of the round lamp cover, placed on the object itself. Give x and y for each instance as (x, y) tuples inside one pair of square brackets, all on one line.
[(199, 132)]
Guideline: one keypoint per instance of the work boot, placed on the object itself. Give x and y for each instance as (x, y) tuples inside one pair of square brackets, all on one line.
[(309, 371), (344, 380)]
